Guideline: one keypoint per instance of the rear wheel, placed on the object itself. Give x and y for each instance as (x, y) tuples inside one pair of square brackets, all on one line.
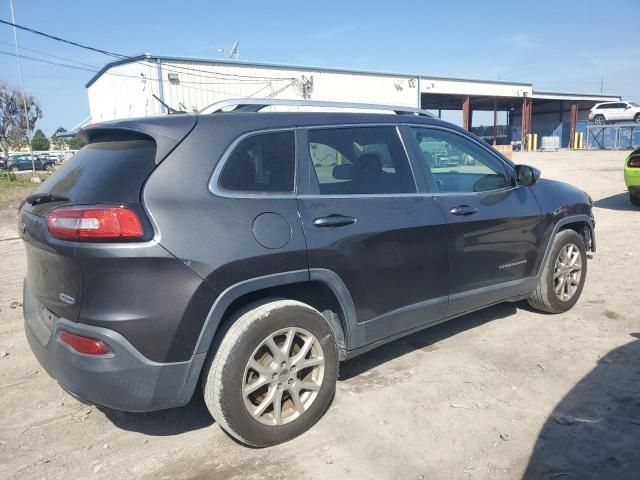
[(14, 168), (563, 275), (635, 198), (637, 118), (48, 167), (273, 374), (599, 120)]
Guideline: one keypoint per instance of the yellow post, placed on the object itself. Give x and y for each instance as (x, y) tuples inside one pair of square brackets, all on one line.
[(535, 142), (575, 141), (580, 139), (528, 142)]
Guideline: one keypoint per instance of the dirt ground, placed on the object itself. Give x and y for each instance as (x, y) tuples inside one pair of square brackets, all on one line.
[(504, 393)]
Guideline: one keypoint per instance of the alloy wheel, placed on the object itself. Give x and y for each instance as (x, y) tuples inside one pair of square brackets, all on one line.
[(567, 272), (283, 376)]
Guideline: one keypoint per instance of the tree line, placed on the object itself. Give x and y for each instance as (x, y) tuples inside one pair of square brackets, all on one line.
[(15, 126)]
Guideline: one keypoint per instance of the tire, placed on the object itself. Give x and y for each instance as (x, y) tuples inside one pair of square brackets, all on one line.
[(635, 199), (48, 167), (14, 168), (599, 120), (227, 373), (544, 298), (637, 118)]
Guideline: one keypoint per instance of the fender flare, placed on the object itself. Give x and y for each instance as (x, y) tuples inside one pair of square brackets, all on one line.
[(561, 223), (232, 293)]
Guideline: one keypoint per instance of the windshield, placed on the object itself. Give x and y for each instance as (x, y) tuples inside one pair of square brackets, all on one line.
[(633, 104)]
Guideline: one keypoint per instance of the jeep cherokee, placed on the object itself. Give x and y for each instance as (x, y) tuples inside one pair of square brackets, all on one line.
[(252, 251)]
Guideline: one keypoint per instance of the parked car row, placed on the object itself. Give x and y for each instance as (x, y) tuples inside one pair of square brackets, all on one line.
[(16, 163)]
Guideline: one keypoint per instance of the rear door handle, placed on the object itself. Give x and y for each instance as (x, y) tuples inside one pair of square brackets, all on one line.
[(334, 220), (463, 210)]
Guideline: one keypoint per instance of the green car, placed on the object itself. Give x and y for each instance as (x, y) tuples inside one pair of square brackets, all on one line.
[(632, 176)]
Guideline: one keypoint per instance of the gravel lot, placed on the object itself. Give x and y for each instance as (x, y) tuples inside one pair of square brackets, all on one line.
[(504, 393)]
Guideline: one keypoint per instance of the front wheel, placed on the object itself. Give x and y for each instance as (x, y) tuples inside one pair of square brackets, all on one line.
[(637, 118), (599, 120), (273, 374), (563, 276), (14, 168), (635, 198)]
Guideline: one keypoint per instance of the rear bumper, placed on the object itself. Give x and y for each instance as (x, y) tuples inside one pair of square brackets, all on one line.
[(632, 177), (123, 379)]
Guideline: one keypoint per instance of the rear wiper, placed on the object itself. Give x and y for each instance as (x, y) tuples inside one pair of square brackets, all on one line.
[(38, 198)]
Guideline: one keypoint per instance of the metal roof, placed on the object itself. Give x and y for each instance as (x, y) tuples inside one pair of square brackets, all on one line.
[(286, 67), (574, 96), (227, 62)]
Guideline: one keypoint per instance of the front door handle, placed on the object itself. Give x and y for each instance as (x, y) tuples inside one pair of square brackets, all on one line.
[(463, 210), (334, 220)]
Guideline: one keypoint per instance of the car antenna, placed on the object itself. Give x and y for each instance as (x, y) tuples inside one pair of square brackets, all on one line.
[(170, 110)]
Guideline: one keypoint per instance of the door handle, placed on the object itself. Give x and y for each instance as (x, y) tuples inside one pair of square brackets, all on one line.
[(463, 210), (334, 220)]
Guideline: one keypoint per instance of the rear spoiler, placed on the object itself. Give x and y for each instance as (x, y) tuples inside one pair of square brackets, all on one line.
[(166, 131)]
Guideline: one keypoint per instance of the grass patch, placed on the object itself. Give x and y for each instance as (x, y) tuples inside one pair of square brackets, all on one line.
[(14, 187)]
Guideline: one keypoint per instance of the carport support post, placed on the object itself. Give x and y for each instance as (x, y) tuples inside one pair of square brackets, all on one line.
[(573, 122), (466, 114), (495, 121), (526, 119)]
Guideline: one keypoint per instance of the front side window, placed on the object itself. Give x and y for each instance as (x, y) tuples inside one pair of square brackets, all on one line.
[(262, 163), (359, 161), (459, 165)]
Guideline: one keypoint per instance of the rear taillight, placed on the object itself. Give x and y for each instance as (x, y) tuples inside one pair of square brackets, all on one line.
[(86, 345), (94, 223), (634, 162)]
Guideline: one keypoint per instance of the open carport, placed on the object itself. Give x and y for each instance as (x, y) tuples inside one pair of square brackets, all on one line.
[(527, 110)]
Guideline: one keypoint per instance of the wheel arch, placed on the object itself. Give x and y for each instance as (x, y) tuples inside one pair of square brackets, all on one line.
[(318, 288), (584, 228), (581, 224)]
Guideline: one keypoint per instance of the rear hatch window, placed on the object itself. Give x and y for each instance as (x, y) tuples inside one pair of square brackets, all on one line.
[(109, 170)]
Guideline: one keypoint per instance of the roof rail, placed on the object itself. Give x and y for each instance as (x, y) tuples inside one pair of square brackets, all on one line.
[(257, 104)]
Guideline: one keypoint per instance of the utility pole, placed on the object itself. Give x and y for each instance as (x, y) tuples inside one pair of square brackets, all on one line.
[(24, 97)]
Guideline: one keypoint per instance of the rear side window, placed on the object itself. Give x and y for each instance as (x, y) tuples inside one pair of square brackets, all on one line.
[(104, 171), (263, 163), (359, 160)]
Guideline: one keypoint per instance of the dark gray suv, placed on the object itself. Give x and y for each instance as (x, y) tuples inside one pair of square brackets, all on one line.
[(252, 251)]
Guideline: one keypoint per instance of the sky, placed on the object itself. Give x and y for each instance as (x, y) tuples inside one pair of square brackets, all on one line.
[(561, 45)]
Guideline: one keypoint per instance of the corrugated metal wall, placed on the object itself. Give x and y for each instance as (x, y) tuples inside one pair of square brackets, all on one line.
[(126, 90)]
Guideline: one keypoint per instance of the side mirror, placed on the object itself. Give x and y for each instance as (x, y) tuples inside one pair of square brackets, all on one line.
[(526, 175)]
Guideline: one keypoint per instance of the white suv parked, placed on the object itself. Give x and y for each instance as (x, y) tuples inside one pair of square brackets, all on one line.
[(602, 113)]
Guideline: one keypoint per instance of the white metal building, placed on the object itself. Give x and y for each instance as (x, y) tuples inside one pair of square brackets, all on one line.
[(126, 88)]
